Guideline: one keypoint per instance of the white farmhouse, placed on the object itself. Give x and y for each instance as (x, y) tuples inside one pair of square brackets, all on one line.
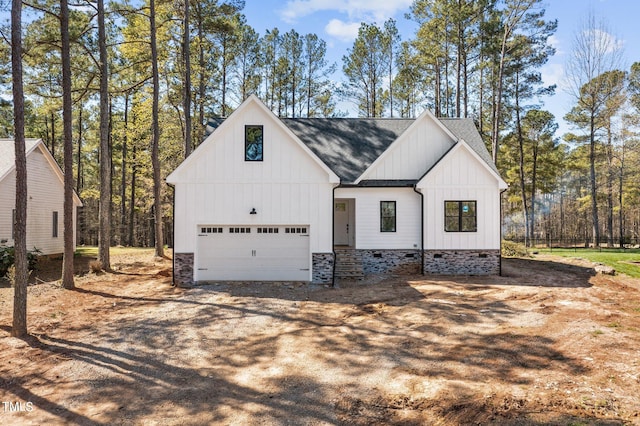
[(45, 197), (313, 199)]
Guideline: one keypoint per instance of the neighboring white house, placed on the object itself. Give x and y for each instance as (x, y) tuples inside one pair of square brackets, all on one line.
[(45, 193), (311, 199)]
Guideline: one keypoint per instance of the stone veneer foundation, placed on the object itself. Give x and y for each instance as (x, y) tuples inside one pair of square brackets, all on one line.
[(322, 264), (462, 262), (391, 261), (445, 262), (183, 269)]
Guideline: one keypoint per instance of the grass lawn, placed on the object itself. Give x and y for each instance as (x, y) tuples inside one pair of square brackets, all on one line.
[(623, 261)]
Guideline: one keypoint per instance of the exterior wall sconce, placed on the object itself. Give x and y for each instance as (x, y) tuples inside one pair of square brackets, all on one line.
[(253, 211)]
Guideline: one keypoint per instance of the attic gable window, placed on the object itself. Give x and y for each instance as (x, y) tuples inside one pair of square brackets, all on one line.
[(460, 216), (253, 143)]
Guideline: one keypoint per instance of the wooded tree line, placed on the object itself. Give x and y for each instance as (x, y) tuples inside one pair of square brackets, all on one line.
[(147, 75)]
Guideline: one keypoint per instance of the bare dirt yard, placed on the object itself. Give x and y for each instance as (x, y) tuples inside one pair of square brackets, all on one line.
[(550, 342)]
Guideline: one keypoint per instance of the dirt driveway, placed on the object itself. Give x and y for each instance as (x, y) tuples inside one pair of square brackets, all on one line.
[(548, 343)]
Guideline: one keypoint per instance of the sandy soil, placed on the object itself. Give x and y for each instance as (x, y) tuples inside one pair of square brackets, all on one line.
[(547, 343)]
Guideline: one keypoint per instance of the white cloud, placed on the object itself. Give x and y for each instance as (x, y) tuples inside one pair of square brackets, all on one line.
[(553, 74), (357, 10), (342, 30), (554, 42), (604, 42)]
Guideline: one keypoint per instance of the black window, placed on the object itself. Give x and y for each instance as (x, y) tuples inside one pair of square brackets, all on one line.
[(54, 234), (253, 143), (387, 216), (460, 216)]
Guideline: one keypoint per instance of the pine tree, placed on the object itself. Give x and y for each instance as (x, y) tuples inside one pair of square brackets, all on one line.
[(19, 325)]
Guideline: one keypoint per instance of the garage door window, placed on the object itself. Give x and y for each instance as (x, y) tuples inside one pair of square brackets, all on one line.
[(240, 230), (295, 230), (268, 230), (210, 230)]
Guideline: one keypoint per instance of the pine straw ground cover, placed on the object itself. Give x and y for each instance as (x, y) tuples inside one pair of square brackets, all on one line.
[(550, 342)]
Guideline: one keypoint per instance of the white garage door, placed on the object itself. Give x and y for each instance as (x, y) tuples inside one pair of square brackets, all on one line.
[(252, 253)]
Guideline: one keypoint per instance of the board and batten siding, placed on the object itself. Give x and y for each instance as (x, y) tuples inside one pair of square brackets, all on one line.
[(218, 187), (45, 194), (415, 151), (461, 177), (367, 217)]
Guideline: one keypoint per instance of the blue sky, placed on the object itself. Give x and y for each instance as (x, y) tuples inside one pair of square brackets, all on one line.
[(337, 22)]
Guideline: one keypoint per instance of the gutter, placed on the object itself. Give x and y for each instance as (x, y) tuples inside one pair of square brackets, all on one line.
[(500, 253), (173, 226), (333, 235), (415, 189)]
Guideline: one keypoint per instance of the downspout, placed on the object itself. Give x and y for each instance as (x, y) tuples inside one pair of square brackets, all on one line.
[(501, 221), (415, 189), (173, 226), (333, 235)]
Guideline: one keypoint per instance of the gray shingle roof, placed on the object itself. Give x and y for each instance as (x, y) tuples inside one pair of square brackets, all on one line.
[(8, 153), (465, 128), (347, 145)]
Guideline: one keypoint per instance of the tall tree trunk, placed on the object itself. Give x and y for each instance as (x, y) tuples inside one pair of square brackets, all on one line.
[(481, 66), (67, 128), (123, 174), (465, 85), (610, 180), (528, 231), (201, 75), (592, 181), (309, 83), (186, 52), (155, 130), (132, 196), (437, 91), (224, 77), (53, 134), (620, 196), (495, 134), (460, 34), (79, 156), (391, 79), (19, 325), (447, 94), (620, 199), (534, 177), (104, 230), (620, 210)]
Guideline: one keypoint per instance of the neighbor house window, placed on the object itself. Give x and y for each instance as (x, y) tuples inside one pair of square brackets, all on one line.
[(460, 216), (253, 143), (55, 225), (387, 216)]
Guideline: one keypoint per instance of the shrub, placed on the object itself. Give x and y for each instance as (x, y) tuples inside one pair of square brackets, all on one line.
[(7, 258), (95, 266), (511, 249)]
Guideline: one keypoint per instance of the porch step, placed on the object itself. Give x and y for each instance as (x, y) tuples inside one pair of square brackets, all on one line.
[(349, 265)]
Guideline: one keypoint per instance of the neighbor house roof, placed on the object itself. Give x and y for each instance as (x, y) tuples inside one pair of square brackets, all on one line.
[(8, 154), (8, 159)]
